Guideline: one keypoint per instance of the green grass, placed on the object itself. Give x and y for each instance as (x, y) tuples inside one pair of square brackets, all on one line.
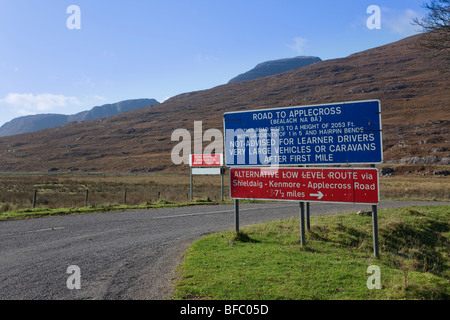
[(266, 261), (45, 212)]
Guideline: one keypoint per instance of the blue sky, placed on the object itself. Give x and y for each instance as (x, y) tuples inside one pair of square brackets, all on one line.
[(157, 49)]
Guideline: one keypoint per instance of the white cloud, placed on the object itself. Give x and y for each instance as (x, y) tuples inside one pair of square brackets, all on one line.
[(28, 103), (399, 22), (298, 45)]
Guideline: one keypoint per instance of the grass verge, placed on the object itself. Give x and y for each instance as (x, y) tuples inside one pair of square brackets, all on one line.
[(266, 261), (45, 212)]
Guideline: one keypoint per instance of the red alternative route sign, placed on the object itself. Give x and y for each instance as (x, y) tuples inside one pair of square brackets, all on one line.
[(306, 184)]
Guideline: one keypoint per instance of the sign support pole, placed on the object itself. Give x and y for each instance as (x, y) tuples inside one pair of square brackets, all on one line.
[(308, 225), (191, 185), (205, 164), (302, 224), (307, 214), (221, 174), (236, 215), (376, 250), (375, 231)]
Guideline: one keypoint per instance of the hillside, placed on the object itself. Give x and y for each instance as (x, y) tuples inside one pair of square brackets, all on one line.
[(269, 68), (37, 122), (32, 123), (413, 91)]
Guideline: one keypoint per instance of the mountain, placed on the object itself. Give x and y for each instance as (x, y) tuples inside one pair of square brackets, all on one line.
[(413, 89), (32, 123), (37, 122), (269, 68), (108, 110)]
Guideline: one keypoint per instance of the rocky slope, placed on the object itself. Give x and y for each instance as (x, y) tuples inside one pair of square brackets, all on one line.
[(269, 68)]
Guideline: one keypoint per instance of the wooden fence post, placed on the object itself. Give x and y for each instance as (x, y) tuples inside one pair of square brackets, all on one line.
[(34, 198), (86, 198)]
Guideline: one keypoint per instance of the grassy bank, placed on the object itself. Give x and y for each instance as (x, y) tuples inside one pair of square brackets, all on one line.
[(266, 261)]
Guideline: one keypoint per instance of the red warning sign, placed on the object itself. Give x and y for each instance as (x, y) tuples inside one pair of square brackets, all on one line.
[(306, 184), (206, 160)]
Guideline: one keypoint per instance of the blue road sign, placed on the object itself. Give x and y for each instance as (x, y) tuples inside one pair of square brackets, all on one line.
[(336, 133)]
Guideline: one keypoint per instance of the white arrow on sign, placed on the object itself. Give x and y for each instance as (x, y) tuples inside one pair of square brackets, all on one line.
[(319, 195)]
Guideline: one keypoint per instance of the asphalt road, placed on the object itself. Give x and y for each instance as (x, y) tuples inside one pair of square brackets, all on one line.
[(122, 255)]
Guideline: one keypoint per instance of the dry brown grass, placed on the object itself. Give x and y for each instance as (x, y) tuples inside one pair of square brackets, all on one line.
[(416, 188), (68, 191)]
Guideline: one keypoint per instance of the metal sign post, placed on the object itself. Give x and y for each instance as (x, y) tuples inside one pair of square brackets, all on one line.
[(376, 250), (192, 187), (236, 215), (206, 164), (308, 225), (302, 224), (221, 181)]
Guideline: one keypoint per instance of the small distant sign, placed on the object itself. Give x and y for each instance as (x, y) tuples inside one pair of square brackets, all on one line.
[(206, 160), (206, 171), (306, 184), (337, 133)]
